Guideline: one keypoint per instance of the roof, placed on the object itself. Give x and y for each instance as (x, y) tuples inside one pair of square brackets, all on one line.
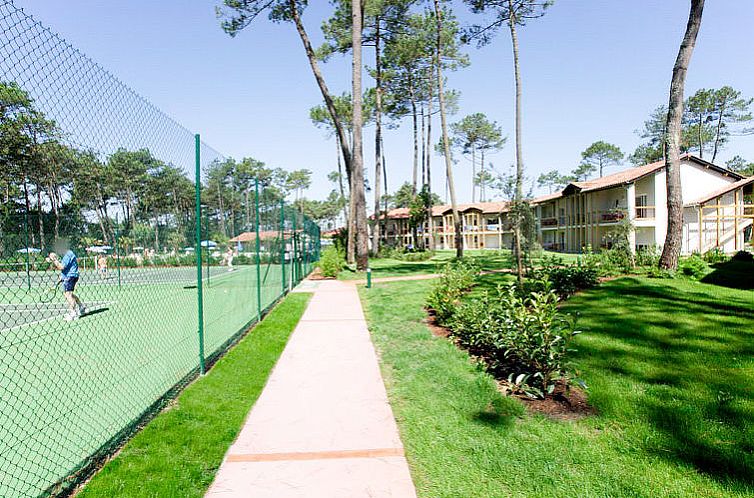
[(484, 207), (722, 191), (629, 176), (252, 236), (545, 198)]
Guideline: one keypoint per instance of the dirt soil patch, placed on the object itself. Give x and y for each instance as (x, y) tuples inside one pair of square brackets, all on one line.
[(567, 402), (317, 275), (434, 327)]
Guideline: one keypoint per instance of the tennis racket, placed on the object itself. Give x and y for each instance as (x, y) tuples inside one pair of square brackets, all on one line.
[(49, 294)]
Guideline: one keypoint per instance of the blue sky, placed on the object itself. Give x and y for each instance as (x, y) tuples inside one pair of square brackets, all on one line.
[(592, 70)]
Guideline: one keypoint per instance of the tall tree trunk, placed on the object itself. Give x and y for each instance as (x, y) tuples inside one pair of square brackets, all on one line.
[(429, 166), (329, 104), (717, 131), (357, 161), (340, 181), (519, 154), (473, 174), (423, 144), (673, 239), (377, 138), (484, 180), (699, 135), (444, 126), (416, 142), (40, 218)]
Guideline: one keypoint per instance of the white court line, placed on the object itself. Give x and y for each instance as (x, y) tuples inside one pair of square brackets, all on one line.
[(56, 317)]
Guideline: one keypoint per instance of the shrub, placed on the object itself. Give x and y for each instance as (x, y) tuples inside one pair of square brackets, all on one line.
[(417, 256), (743, 256), (648, 257), (565, 280), (693, 266), (524, 339), (715, 255), (331, 262), (455, 279)]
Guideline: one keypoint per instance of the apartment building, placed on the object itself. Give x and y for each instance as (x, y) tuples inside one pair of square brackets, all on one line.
[(718, 212), (715, 211), (485, 226)]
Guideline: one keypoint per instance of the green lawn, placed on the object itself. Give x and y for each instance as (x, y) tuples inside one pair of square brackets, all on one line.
[(178, 453), (487, 259), (670, 368)]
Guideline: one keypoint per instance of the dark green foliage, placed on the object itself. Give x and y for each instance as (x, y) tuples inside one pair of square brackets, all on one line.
[(522, 338), (331, 262), (743, 256), (455, 279), (564, 280), (693, 266)]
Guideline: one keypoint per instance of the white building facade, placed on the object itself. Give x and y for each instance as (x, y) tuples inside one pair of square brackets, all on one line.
[(587, 214)]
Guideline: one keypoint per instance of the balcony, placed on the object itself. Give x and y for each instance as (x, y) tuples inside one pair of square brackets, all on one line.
[(612, 216), (549, 222), (645, 212)]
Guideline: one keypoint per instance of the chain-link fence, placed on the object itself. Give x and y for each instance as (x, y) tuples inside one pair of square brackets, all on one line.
[(131, 256)]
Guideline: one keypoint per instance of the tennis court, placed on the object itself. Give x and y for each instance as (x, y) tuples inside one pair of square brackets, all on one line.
[(77, 383)]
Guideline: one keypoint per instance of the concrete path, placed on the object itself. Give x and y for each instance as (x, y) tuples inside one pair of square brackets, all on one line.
[(322, 427)]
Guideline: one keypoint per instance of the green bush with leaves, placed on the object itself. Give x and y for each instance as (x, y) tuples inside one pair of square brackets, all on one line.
[(331, 262), (522, 338), (455, 280), (715, 255), (693, 266), (564, 279)]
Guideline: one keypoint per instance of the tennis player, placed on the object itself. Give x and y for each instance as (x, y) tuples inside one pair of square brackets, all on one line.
[(229, 258), (69, 275)]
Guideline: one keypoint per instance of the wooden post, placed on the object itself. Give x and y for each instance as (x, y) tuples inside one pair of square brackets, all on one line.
[(717, 222), (735, 220), (700, 228)]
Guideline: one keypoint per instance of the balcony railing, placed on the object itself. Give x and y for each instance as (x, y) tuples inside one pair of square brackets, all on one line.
[(645, 212), (549, 222), (612, 216)]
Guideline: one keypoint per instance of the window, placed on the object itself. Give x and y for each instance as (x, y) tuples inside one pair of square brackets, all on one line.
[(641, 206)]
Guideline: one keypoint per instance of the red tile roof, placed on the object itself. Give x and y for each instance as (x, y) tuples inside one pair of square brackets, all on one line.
[(484, 207), (722, 191), (252, 236), (627, 176)]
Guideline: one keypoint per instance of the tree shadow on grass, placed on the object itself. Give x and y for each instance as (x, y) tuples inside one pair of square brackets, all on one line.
[(733, 274), (685, 354)]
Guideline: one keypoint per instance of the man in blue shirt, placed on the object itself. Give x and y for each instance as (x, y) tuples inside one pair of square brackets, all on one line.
[(69, 275)]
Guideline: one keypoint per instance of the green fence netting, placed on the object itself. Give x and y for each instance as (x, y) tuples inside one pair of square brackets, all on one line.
[(179, 250)]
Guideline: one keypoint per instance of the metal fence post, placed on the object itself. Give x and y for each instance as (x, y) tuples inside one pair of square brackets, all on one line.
[(282, 244), (117, 247), (26, 250), (198, 252), (259, 256), (295, 255)]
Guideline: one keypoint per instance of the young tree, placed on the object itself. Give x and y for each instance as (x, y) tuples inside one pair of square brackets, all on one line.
[(730, 109), (552, 180), (698, 111), (740, 165), (512, 13), (672, 248), (475, 134), (602, 155), (583, 171)]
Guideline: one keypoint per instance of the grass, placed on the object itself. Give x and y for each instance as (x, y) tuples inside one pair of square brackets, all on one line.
[(670, 369), (487, 259), (178, 453)]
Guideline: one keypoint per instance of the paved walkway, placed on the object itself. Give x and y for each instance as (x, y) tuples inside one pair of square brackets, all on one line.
[(322, 427)]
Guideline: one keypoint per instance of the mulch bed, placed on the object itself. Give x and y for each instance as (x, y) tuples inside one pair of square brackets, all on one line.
[(567, 402), (317, 275)]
